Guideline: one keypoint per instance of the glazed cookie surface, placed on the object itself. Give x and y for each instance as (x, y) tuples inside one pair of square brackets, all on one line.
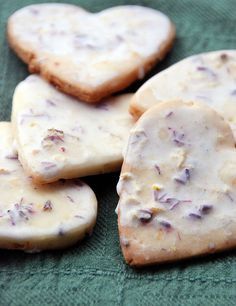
[(90, 55), (177, 185), (59, 137), (34, 218), (209, 78)]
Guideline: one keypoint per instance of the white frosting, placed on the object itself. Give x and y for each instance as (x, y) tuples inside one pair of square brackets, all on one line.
[(60, 137), (208, 78), (92, 48), (33, 215), (179, 169)]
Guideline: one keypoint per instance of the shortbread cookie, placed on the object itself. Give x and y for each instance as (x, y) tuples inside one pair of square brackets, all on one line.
[(37, 218), (60, 137), (208, 77), (90, 55), (177, 185)]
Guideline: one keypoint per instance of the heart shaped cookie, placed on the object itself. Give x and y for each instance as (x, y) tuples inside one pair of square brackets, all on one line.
[(60, 137), (34, 218), (177, 185), (208, 78), (90, 55)]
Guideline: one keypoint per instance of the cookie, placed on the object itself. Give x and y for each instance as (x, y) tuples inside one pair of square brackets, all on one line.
[(60, 137), (90, 55), (208, 78), (177, 185), (36, 218)]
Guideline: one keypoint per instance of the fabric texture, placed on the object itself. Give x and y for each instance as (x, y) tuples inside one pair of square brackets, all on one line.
[(93, 272)]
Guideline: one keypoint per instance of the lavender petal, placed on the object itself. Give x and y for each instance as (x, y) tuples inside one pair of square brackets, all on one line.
[(205, 209), (195, 216)]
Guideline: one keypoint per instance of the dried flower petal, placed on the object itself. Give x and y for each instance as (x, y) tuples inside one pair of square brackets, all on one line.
[(70, 198), (177, 137), (166, 225), (195, 216), (205, 209), (61, 232), (184, 177), (207, 70), (158, 169), (55, 136), (144, 215), (47, 206), (48, 165), (50, 102), (139, 136), (12, 156), (102, 106), (169, 114), (20, 212), (228, 194)]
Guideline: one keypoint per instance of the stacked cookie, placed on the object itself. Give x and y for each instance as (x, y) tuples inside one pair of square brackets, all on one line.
[(54, 136), (177, 184)]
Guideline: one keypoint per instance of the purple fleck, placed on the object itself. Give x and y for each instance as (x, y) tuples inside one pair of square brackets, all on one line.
[(167, 226), (13, 156), (78, 183), (32, 115), (61, 232), (172, 201), (138, 136), (55, 136), (207, 70), (195, 216), (47, 206), (177, 137), (178, 234), (48, 165), (205, 209), (70, 199), (169, 114), (50, 102), (161, 198), (184, 177), (11, 215), (30, 208), (34, 11), (158, 169), (228, 194), (119, 38), (156, 195), (79, 217), (102, 106), (144, 215)]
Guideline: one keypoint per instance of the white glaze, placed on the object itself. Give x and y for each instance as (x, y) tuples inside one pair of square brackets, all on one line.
[(40, 216), (60, 137), (208, 78), (167, 140), (91, 48)]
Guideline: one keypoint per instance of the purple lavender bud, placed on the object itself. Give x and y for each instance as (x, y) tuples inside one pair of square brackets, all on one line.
[(144, 215), (205, 209)]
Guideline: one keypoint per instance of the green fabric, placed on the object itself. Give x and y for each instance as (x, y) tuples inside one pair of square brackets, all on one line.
[(94, 273)]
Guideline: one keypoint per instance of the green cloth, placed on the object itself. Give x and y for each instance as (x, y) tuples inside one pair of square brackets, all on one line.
[(94, 273)]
